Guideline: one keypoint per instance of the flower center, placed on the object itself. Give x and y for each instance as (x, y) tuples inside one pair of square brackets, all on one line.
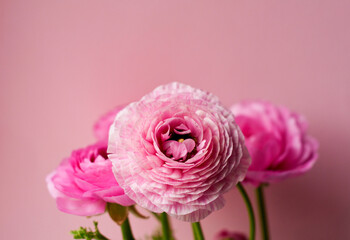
[(98, 152), (177, 142)]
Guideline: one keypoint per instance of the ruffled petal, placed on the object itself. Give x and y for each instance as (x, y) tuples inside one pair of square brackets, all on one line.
[(81, 207)]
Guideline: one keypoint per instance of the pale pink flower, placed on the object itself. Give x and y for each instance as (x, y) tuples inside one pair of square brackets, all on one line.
[(228, 235), (84, 182), (277, 141), (101, 127), (177, 151)]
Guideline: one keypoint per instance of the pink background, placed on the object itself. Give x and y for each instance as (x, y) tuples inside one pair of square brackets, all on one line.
[(63, 63)]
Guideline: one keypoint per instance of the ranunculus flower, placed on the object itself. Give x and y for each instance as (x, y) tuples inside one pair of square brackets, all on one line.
[(84, 182), (228, 235), (277, 141), (177, 151), (101, 127)]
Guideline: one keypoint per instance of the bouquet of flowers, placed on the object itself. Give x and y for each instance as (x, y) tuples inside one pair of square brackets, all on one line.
[(175, 153)]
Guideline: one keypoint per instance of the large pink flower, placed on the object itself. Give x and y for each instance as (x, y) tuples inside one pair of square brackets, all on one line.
[(84, 182), (277, 141), (177, 150)]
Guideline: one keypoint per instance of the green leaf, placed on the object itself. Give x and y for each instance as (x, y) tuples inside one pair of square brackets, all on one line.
[(88, 234)]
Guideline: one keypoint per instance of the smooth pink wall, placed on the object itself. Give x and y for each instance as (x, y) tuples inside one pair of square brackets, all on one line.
[(65, 62)]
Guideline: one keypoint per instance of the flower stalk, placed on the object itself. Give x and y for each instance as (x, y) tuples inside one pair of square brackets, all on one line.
[(197, 231), (262, 212), (167, 235), (126, 230), (249, 209)]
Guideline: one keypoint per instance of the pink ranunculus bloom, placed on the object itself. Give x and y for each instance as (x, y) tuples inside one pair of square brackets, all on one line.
[(84, 182), (228, 235), (277, 141), (101, 127), (177, 150)]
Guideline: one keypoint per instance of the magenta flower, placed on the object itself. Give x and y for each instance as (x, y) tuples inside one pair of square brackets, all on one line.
[(228, 235), (84, 182), (177, 151), (277, 141)]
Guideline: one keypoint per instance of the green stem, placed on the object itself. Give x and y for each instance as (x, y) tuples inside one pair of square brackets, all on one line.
[(165, 226), (99, 235), (250, 210), (197, 231), (262, 212), (126, 230)]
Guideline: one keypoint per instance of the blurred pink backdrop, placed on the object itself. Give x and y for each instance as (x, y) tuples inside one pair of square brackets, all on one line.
[(63, 63)]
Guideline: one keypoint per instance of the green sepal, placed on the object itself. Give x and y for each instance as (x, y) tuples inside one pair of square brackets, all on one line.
[(135, 212), (117, 212)]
